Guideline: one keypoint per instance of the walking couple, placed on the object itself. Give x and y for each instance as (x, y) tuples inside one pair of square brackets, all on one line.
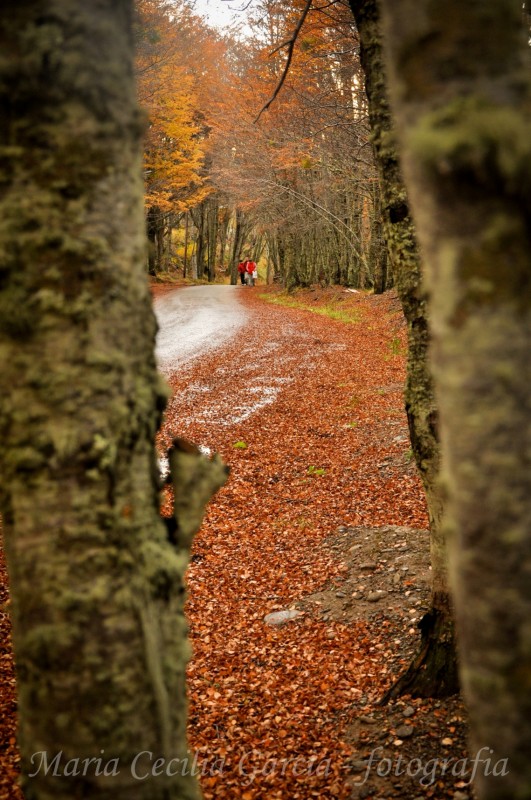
[(247, 272)]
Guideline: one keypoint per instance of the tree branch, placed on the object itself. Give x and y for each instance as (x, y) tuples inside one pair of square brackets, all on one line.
[(195, 478), (290, 44)]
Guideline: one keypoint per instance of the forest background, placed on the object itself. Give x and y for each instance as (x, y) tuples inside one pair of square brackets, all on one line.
[(292, 184), (295, 189)]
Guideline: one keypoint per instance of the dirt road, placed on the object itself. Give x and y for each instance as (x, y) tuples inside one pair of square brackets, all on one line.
[(195, 320)]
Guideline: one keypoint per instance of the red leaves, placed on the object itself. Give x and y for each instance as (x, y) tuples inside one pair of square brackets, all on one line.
[(262, 694), (9, 756), (269, 707)]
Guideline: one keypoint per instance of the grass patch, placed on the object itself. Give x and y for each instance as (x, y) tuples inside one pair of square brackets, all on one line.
[(330, 309), (396, 347)]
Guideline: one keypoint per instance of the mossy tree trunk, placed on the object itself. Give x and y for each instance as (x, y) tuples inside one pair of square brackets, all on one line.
[(97, 589), (434, 670), (462, 96)]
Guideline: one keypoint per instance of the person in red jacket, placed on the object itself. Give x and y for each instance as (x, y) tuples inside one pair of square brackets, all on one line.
[(241, 272), (250, 268)]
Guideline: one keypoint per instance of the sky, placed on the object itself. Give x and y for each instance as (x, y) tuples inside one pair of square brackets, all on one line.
[(220, 13)]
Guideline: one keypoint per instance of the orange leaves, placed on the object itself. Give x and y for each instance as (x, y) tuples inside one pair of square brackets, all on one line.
[(292, 167), (275, 703)]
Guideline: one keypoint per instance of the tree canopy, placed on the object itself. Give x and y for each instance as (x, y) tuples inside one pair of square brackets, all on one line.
[(301, 172)]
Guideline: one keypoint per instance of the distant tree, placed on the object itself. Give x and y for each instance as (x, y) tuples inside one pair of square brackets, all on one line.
[(174, 152), (462, 97), (303, 175), (96, 584)]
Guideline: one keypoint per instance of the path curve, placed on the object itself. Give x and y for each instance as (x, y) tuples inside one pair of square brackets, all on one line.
[(194, 320)]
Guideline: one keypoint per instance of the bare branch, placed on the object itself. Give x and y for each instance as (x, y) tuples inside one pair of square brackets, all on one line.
[(290, 44)]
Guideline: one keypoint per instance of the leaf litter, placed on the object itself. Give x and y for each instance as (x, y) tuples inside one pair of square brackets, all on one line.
[(323, 515)]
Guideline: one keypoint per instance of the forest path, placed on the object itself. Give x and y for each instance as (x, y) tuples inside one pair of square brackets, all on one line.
[(248, 363), (308, 413), (195, 319)]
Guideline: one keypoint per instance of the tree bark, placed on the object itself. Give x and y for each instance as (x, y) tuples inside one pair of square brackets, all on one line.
[(241, 229), (152, 229), (462, 95), (378, 256), (97, 588), (199, 219), (185, 256), (212, 206), (434, 673)]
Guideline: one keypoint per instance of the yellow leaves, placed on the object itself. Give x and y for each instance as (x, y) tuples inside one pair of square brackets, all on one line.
[(174, 141)]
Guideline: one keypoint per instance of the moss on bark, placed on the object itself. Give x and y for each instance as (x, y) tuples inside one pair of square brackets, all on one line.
[(421, 407), (100, 647), (466, 139)]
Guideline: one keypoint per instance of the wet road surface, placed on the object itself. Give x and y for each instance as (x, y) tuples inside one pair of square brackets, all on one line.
[(194, 320)]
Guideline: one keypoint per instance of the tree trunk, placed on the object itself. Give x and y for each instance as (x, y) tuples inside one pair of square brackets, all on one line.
[(199, 218), (240, 231), (464, 108), (185, 257), (223, 236), (212, 229), (152, 223), (97, 588), (435, 673), (378, 253)]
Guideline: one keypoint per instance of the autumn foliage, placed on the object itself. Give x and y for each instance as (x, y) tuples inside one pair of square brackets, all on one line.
[(293, 186), (174, 151)]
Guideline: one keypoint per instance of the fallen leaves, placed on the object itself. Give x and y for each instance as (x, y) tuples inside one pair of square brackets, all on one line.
[(272, 695), (271, 706), (9, 756)]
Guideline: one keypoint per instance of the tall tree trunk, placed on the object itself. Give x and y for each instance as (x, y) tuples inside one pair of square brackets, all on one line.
[(97, 588), (185, 257), (434, 670), (199, 218), (464, 108), (152, 227), (212, 229), (223, 234), (378, 254), (240, 229)]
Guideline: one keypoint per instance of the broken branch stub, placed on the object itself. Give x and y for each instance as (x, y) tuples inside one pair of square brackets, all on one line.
[(195, 479)]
